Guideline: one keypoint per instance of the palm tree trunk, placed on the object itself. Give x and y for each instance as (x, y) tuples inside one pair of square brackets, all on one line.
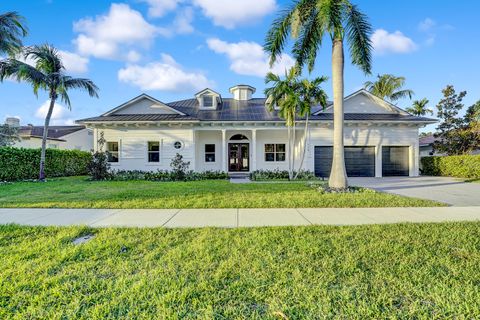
[(338, 175), (44, 140), (304, 147), (290, 151), (293, 148)]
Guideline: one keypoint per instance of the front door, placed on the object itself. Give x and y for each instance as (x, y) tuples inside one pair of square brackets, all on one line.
[(238, 157)]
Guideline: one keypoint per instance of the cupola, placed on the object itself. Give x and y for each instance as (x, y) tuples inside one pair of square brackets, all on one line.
[(242, 92)]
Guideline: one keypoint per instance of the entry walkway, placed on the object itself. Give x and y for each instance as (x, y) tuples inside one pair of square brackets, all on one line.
[(231, 218)]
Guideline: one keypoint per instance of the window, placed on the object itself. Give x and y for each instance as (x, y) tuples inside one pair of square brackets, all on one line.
[(209, 153), (112, 151), (275, 152), (153, 151), (177, 145), (207, 101)]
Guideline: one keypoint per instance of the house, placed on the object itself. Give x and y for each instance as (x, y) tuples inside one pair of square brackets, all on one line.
[(58, 137), (239, 135), (426, 146)]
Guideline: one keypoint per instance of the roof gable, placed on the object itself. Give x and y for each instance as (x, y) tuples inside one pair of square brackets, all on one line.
[(363, 101), (143, 104)]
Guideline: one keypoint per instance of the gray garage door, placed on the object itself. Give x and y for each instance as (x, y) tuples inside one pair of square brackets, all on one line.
[(395, 161), (359, 161)]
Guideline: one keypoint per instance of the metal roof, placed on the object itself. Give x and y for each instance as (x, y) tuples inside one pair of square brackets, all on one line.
[(54, 132), (251, 110)]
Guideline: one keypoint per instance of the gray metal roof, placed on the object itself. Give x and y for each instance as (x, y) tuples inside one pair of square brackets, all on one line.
[(250, 110), (54, 132)]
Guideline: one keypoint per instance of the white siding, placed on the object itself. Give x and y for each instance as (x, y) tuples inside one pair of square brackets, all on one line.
[(145, 106), (79, 140), (362, 103), (133, 147)]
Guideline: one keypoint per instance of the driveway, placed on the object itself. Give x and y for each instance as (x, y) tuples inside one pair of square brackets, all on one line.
[(452, 191)]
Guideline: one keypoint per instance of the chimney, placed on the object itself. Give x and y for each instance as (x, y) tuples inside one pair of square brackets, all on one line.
[(242, 92), (13, 122)]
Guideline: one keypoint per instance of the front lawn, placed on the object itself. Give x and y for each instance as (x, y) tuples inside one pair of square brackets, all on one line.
[(406, 271), (77, 192)]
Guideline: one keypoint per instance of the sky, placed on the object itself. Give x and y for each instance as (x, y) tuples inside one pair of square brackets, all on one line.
[(171, 49)]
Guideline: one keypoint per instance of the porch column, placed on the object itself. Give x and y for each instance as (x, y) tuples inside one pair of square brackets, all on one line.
[(254, 150), (224, 150)]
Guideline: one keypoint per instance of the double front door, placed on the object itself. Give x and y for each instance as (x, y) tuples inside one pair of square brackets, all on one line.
[(238, 157)]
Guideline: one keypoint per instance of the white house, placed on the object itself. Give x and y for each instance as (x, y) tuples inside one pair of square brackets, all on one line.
[(238, 134), (58, 137)]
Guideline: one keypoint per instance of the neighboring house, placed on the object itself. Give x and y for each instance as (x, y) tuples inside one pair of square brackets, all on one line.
[(426, 147), (58, 137), (240, 135)]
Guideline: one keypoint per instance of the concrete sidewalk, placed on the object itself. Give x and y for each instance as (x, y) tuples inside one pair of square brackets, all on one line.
[(230, 218)]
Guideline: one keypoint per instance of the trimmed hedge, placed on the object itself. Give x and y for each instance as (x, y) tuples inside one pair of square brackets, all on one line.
[(165, 175), (277, 174), (466, 166), (22, 163)]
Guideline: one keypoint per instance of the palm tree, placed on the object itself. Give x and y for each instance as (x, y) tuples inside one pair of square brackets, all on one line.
[(48, 74), (419, 108), (284, 95), (389, 87), (12, 28), (310, 94), (309, 21)]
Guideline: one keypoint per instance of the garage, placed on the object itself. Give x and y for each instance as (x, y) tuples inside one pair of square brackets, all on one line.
[(359, 161), (395, 161)]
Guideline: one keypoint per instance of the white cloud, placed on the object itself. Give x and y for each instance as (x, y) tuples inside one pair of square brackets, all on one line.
[(183, 21), (158, 8), (230, 13), (426, 25), (396, 42), (105, 35), (73, 62), (248, 58), (59, 114), (165, 74)]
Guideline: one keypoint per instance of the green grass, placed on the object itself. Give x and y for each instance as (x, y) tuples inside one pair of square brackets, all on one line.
[(404, 271), (77, 192)]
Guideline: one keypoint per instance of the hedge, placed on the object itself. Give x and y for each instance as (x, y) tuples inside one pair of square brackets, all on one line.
[(22, 163), (466, 166)]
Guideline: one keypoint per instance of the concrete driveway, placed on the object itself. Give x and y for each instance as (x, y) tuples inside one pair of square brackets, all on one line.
[(453, 191)]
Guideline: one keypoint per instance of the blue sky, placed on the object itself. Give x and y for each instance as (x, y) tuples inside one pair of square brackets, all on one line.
[(172, 48)]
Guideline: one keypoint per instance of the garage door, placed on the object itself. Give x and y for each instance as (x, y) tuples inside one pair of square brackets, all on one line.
[(395, 161), (359, 161)]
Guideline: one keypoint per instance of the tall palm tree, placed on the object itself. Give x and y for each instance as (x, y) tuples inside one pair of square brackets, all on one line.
[(12, 29), (389, 87), (308, 22), (284, 95), (419, 108), (311, 94), (48, 74)]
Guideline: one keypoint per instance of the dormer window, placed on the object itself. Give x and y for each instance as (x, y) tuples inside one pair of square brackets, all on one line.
[(207, 101)]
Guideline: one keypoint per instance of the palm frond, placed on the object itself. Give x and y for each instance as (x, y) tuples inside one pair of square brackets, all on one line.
[(358, 32), (46, 57), (82, 84), (401, 94), (12, 29)]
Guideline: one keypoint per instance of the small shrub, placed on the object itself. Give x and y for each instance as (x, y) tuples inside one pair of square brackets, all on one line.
[(280, 175), (164, 175), (465, 166), (99, 167), (179, 167)]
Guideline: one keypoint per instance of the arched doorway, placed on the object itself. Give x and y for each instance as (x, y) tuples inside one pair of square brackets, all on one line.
[(238, 153)]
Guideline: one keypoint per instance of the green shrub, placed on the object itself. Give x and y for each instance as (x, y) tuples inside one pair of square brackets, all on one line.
[(465, 166), (164, 175), (22, 163), (280, 175)]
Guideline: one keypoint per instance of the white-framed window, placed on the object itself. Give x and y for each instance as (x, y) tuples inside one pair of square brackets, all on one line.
[(207, 101), (112, 151), (153, 151), (210, 152), (275, 152)]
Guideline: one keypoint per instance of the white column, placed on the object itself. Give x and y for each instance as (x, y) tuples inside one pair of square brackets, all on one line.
[(194, 149), (253, 167), (224, 150), (378, 161)]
